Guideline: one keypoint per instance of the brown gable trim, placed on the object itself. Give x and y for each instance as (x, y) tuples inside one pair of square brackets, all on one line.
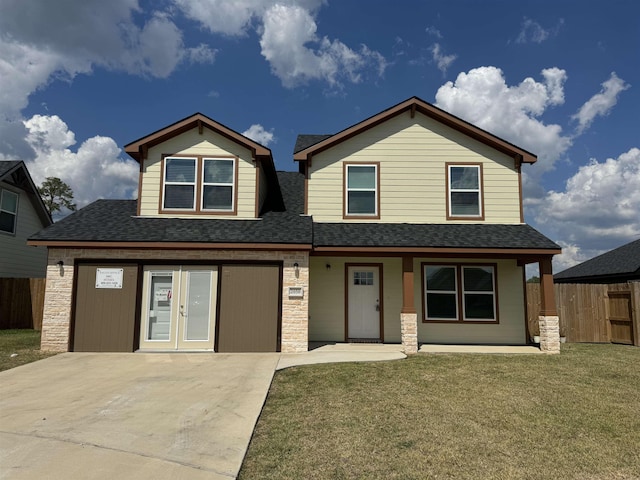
[(170, 245), (416, 104), (137, 149)]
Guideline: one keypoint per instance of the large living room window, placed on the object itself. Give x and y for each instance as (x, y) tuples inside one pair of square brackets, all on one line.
[(459, 293), (199, 184), (464, 196), (361, 190), (8, 211)]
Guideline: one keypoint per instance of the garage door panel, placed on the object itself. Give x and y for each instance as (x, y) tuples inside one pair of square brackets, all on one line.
[(104, 319), (249, 309)]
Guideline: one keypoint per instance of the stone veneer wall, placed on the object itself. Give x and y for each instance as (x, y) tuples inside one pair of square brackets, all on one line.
[(59, 290), (549, 334)]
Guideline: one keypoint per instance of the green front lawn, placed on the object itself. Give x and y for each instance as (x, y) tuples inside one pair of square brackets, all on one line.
[(569, 416), (18, 347)]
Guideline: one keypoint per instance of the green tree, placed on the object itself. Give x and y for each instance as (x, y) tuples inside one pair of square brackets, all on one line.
[(56, 194)]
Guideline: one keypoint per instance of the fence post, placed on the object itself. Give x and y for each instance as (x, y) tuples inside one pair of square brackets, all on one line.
[(634, 287)]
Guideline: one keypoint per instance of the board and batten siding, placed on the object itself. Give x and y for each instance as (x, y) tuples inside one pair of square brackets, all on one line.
[(511, 329), (17, 259), (327, 297), (207, 144), (412, 153)]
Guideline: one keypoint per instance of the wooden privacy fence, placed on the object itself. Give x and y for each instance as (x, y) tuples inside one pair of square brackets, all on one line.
[(592, 312), (21, 302)]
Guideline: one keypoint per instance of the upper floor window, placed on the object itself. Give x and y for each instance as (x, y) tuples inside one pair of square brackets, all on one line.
[(361, 190), (464, 196), (199, 184), (8, 211)]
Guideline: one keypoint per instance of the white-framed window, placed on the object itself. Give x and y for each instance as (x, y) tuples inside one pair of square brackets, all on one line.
[(179, 184), (361, 190), (460, 293), (465, 191), (8, 211), (218, 180)]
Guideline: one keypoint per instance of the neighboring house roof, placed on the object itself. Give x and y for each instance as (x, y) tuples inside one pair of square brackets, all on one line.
[(480, 237), (14, 172), (622, 263), (306, 147), (114, 221)]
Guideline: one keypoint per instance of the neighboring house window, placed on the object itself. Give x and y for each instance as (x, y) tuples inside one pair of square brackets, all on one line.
[(200, 185), (460, 293), (8, 211), (361, 190), (217, 182), (465, 191), (179, 183)]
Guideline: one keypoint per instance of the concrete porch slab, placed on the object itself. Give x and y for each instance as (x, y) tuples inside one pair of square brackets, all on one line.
[(504, 349), (320, 352)]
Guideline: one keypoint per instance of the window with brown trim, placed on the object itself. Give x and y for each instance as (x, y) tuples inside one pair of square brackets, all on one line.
[(361, 190), (459, 293), (8, 211), (464, 192), (199, 184)]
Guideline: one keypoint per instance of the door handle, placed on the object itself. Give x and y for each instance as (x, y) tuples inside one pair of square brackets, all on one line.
[(182, 310), (377, 305)]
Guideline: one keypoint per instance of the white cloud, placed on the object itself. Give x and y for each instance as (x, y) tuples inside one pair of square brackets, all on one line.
[(599, 206), (482, 97), (41, 41), (531, 31), (571, 255), (288, 33), (601, 103), (257, 133), (431, 30), (442, 61), (94, 170)]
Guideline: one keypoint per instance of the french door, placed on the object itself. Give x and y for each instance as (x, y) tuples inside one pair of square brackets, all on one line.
[(179, 308)]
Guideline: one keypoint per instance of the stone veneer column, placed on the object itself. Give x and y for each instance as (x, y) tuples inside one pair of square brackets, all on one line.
[(409, 332), (56, 316), (549, 333), (295, 311)]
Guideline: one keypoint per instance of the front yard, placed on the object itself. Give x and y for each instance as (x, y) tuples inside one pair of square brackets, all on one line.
[(18, 347), (570, 416)]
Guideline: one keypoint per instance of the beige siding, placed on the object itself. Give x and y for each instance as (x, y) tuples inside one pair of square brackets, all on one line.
[(17, 259), (412, 153), (511, 308), (192, 143), (327, 297)]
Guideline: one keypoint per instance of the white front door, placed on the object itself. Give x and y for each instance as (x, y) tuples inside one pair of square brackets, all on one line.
[(179, 308), (364, 302)]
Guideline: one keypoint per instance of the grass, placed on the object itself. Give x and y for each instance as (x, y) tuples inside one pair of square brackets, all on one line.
[(570, 416), (18, 347)]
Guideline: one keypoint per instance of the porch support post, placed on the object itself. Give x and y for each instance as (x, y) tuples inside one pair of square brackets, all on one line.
[(408, 315), (548, 320)]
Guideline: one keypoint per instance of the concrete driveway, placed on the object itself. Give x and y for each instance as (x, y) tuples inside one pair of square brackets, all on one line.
[(104, 416)]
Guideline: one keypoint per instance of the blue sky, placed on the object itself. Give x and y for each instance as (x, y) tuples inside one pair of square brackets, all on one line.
[(80, 79)]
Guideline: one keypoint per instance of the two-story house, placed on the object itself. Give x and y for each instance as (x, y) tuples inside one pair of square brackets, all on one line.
[(22, 213), (404, 228)]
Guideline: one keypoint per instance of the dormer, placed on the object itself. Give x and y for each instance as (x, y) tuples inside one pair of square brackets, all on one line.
[(200, 168)]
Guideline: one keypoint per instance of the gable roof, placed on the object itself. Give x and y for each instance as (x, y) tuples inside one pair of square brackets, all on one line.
[(305, 149), (114, 222), (622, 262), (14, 172), (137, 149)]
